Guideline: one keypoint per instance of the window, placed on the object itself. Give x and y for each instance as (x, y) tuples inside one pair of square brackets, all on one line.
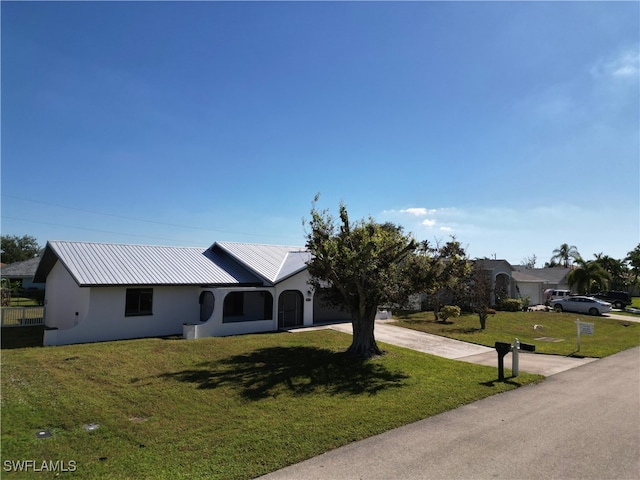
[(139, 301), (234, 304), (247, 306)]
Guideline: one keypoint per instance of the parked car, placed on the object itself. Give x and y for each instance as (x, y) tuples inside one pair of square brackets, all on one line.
[(553, 294), (618, 299), (580, 304)]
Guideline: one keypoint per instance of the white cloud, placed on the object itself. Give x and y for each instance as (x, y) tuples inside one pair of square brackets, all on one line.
[(417, 211), (428, 222), (625, 64)]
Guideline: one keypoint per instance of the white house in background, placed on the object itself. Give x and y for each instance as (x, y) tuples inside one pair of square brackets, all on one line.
[(23, 272), (501, 275), (533, 282), (100, 292), (519, 281)]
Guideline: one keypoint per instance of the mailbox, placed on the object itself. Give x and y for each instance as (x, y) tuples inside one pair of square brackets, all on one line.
[(527, 347), (502, 348)]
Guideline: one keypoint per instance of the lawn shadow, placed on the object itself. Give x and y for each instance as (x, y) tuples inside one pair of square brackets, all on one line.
[(464, 330), (507, 381), (301, 370)]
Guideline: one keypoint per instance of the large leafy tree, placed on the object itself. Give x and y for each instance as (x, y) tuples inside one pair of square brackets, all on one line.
[(362, 265), (448, 268), (564, 254), (17, 249), (587, 276), (633, 257)]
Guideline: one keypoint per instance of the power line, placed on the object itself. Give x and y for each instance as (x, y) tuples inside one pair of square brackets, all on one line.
[(97, 230), (107, 214), (93, 212)]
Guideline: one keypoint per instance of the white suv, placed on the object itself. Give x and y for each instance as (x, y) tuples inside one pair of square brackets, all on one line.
[(553, 294)]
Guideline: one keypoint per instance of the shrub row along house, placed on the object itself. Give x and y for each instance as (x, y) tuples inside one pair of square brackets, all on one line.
[(100, 292)]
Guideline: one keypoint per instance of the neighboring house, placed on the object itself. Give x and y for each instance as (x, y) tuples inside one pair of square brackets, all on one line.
[(501, 273), (519, 281), (99, 292), (533, 282), (23, 273)]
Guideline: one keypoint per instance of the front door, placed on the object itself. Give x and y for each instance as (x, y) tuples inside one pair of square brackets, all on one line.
[(290, 309)]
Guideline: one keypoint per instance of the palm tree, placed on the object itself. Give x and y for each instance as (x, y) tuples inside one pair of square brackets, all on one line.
[(588, 274), (616, 269), (564, 253)]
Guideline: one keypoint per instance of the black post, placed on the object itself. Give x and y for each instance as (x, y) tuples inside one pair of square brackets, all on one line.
[(502, 349)]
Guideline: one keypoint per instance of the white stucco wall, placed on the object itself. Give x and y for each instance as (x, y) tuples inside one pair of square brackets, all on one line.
[(214, 327), (105, 319), (66, 303)]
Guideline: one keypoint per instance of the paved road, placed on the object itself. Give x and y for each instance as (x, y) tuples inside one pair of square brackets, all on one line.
[(583, 423)]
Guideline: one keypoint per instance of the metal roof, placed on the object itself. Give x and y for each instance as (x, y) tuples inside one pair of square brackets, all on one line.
[(274, 263), (100, 264)]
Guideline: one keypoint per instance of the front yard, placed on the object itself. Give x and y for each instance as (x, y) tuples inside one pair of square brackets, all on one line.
[(550, 332), (231, 408)]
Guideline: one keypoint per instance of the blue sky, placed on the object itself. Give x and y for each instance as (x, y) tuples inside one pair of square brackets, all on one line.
[(513, 126)]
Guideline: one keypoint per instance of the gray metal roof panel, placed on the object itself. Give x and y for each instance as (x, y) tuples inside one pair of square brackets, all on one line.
[(272, 262), (116, 264), (295, 262)]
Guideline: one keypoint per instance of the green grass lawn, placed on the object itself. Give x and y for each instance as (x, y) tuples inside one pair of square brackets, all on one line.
[(232, 408), (23, 302), (610, 336)]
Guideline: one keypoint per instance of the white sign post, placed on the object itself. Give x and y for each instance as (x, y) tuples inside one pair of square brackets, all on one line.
[(584, 328)]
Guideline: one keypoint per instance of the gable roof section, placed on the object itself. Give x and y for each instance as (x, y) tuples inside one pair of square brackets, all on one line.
[(99, 264), (23, 269), (273, 263), (489, 264), (554, 275)]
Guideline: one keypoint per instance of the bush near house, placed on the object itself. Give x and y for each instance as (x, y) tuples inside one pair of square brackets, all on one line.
[(449, 311), (510, 305)]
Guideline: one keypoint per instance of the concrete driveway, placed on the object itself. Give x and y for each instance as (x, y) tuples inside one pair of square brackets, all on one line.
[(467, 352)]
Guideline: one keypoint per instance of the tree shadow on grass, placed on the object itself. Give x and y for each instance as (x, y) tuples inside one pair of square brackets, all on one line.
[(301, 370), (464, 330)]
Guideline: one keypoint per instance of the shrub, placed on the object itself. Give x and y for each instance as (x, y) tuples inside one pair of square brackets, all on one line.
[(511, 305), (449, 311)]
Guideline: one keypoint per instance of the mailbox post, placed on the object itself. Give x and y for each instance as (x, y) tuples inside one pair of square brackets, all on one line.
[(502, 348), (515, 361), (517, 346)]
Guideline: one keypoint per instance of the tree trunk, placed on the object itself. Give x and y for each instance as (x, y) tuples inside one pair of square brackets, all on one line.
[(483, 320), (364, 343)]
